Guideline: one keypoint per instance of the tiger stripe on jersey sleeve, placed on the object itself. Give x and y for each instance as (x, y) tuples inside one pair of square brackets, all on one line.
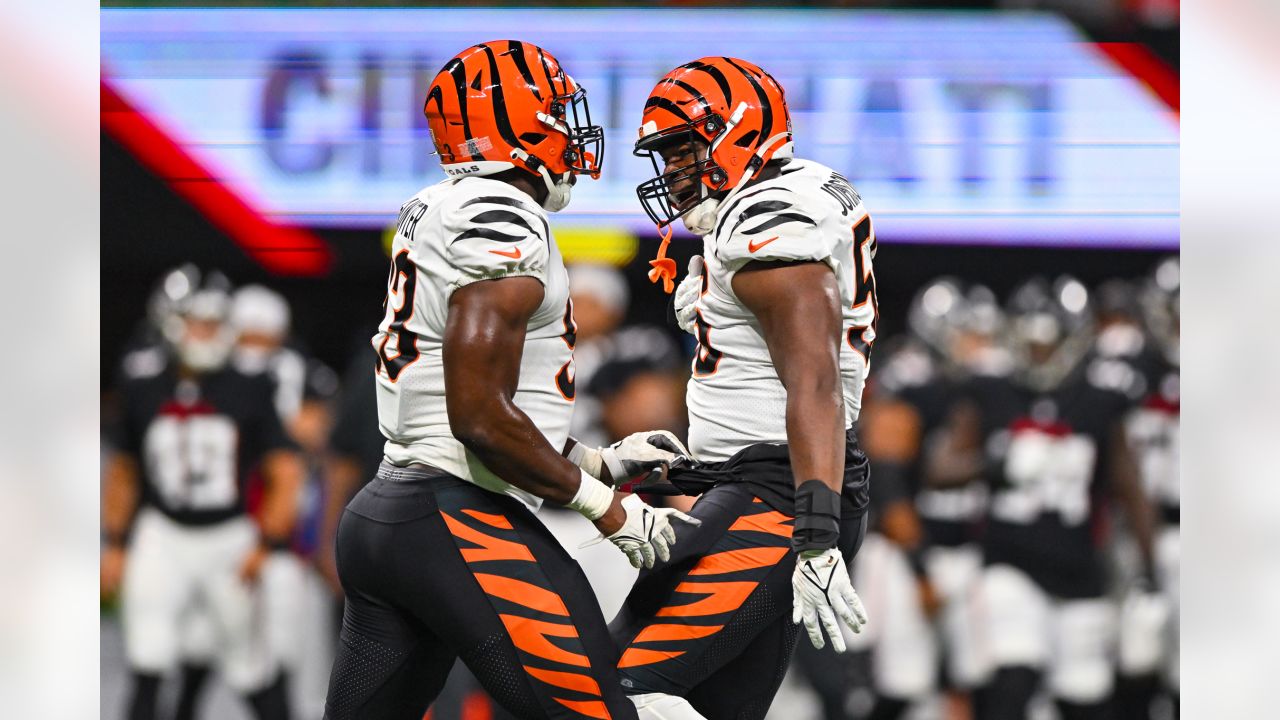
[(774, 223), (503, 218), (771, 214), (494, 234), (747, 199)]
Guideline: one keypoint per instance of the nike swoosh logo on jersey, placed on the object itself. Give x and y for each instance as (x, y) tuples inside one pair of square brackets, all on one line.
[(753, 246), (514, 253)]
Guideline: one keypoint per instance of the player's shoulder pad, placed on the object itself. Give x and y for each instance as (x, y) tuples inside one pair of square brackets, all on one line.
[(491, 230), (787, 218)]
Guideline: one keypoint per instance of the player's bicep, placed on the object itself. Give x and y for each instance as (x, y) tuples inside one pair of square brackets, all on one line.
[(798, 307), (484, 340)]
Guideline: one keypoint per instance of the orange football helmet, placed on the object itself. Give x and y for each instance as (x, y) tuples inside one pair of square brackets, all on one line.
[(735, 107), (507, 104)]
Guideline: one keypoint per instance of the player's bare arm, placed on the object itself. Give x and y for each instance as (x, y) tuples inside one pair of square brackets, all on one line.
[(483, 343), (954, 457), (283, 473), (1127, 485), (119, 501), (891, 433), (798, 307)]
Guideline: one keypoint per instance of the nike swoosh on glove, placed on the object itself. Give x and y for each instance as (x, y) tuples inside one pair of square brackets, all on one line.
[(641, 453), (686, 296), (821, 592), (647, 533)]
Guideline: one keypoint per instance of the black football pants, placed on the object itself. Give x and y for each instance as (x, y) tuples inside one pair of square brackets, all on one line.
[(436, 569), (713, 625)]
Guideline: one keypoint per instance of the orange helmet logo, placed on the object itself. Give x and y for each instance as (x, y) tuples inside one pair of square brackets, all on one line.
[(731, 105), (505, 104)]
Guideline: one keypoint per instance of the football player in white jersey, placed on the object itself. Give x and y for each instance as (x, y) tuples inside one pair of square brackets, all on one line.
[(783, 304), (440, 555)]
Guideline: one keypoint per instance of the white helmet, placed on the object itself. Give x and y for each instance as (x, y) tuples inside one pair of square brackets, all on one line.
[(258, 311), (184, 295)]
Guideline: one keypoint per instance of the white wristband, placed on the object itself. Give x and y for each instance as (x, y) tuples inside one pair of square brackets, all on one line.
[(586, 458), (593, 497)]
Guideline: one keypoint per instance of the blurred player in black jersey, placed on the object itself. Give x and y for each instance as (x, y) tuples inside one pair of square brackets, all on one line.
[(952, 500), (177, 539), (1149, 654), (1054, 446), (921, 561)]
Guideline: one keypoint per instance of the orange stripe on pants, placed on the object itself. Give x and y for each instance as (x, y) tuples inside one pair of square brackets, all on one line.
[(640, 656), (522, 593), (567, 680), (655, 633), (531, 636), (722, 597), (772, 522), (498, 521), (733, 560), (491, 548)]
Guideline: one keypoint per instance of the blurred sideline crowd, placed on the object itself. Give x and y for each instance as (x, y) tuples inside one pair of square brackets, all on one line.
[(978, 606)]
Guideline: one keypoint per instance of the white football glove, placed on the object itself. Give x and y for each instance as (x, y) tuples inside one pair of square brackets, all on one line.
[(686, 296), (647, 533), (1144, 620), (821, 592), (631, 457)]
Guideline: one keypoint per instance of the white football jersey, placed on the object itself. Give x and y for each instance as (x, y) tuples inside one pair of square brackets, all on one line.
[(808, 213), (449, 235)]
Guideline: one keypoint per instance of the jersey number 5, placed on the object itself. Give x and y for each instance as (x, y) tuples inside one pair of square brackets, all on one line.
[(399, 303), (861, 335)]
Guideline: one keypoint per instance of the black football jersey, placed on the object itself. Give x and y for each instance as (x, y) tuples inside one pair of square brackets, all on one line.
[(197, 440), (911, 373), (1046, 458)]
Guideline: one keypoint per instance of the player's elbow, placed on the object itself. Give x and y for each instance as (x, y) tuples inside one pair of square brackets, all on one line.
[(469, 431), (818, 379), (473, 426), (815, 394)]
